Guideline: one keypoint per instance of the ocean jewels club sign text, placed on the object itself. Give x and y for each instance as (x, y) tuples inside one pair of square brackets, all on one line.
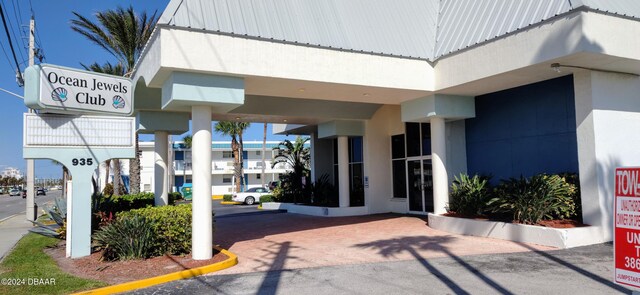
[(62, 90)]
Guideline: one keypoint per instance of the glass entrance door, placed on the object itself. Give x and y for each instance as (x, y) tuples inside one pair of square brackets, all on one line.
[(420, 182)]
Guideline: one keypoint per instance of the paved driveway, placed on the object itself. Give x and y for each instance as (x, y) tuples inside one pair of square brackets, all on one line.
[(269, 242)]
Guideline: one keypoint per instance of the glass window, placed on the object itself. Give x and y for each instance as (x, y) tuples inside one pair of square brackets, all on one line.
[(258, 176), (397, 146), (413, 139), (355, 149), (258, 153), (426, 139), (399, 179), (335, 151), (227, 154), (226, 178)]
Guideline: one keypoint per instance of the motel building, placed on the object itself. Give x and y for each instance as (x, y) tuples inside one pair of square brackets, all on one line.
[(407, 93), (222, 180)]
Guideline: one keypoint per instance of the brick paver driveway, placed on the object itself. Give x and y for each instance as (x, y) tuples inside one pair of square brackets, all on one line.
[(267, 242)]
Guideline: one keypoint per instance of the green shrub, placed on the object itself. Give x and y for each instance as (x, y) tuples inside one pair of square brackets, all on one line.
[(115, 204), (108, 189), (266, 198), (171, 224), (469, 195), (126, 238), (174, 196), (227, 198), (531, 200)]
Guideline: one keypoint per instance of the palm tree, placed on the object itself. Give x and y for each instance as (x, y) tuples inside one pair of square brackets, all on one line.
[(117, 70), (187, 145), (235, 130), (294, 154), (123, 33), (264, 151)]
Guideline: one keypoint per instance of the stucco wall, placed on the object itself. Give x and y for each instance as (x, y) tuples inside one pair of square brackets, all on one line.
[(608, 120), (524, 131), (377, 157)]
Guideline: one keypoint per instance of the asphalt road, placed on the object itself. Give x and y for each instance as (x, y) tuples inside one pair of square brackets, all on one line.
[(17, 205), (584, 270)]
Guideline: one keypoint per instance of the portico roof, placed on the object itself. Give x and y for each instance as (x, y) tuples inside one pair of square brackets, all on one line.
[(422, 29)]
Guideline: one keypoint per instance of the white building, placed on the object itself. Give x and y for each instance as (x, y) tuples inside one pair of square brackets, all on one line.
[(427, 88), (222, 179), (12, 172)]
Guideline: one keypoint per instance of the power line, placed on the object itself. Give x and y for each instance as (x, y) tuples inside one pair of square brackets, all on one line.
[(6, 30), (14, 34)]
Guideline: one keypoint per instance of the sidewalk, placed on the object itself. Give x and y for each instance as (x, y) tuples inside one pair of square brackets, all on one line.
[(12, 229)]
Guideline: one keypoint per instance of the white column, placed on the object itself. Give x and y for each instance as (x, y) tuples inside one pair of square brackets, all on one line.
[(161, 174), (439, 158), (313, 156), (202, 228), (343, 170)]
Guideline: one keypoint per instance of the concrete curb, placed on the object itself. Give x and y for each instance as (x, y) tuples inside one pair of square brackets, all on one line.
[(217, 197), (185, 274), (230, 203)]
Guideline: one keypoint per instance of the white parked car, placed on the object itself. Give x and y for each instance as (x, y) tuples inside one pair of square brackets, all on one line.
[(250, 196)]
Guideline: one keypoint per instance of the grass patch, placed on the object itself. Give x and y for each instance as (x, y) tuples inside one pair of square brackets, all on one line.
[(27, 265)]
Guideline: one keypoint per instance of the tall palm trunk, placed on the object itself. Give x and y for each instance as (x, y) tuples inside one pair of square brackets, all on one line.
[(237, 171), (134, 171), (117, 178), (264, 151), (107, 167)]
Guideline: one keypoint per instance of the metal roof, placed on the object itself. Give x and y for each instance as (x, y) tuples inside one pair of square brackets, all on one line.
[(377, 26), (424, 29)]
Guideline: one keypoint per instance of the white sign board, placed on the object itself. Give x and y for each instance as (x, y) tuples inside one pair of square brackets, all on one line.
[(70, 91), (49, 130)]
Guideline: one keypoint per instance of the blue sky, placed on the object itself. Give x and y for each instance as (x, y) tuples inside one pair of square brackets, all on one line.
[(61, 46)]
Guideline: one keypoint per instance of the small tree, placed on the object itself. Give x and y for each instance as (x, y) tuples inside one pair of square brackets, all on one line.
[(296, 156)]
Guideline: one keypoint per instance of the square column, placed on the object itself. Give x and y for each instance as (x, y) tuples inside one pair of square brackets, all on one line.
[(202, 223), (343, 170), (439, 158), (161, 173)]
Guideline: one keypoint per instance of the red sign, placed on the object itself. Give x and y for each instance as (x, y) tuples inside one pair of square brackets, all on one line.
[(626, 253)]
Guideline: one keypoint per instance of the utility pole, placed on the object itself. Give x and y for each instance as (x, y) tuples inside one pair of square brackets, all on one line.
[(31, 211)]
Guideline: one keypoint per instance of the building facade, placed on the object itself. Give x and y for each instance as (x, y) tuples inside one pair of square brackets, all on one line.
[(222, 179), (432, 89), (12, 172)]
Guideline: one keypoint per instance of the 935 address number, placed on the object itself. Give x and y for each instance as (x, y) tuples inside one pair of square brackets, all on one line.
[(82, 161)]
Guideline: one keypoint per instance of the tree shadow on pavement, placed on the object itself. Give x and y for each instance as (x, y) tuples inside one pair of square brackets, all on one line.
[(411, 245), (584, 272)]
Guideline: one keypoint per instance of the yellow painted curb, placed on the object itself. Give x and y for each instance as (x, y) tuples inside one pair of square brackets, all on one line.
[(230, 203), (185, 274), (217, 197)]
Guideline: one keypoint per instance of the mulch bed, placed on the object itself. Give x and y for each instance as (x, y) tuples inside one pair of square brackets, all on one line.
[(563, 223), (117, 272)]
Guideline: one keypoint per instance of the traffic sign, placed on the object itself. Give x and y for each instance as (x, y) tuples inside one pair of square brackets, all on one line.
[(626, 253)]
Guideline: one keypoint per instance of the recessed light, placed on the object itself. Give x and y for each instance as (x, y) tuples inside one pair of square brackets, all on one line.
[(237, 118), (366, 94), (285, 120), (301, 89)]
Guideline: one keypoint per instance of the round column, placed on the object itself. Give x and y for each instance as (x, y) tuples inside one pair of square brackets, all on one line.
[(161, 175), (202, 226), (439, 160), (343, 170)]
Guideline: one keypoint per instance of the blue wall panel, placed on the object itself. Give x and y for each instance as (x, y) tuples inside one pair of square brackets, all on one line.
[(524, 131)]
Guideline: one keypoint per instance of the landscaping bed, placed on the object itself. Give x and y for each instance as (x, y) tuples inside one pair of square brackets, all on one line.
[(121, 271)]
